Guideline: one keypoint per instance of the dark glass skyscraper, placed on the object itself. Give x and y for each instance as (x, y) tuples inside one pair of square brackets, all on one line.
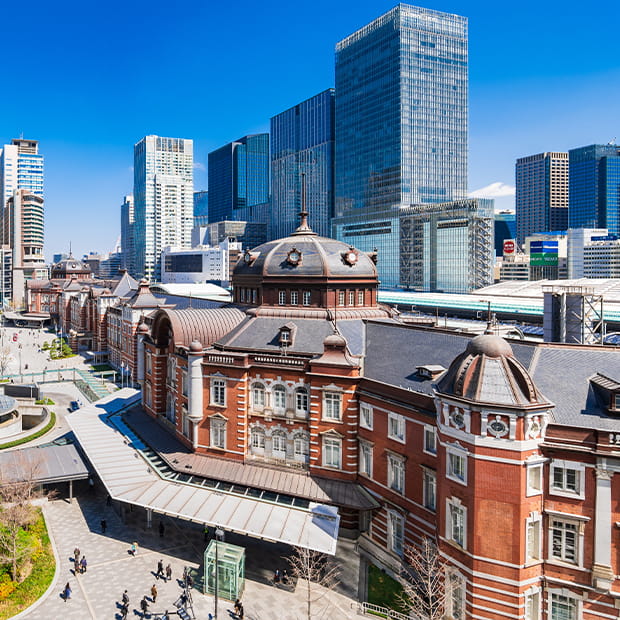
[(302, 142), (594, 187), (401, 124), (238, 177)]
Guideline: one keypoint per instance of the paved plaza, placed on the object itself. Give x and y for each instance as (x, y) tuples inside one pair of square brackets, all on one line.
[(111, 569)]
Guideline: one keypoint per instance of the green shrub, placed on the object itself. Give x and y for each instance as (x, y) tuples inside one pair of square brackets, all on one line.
[(383, 590), (39, 433), (44, 401)]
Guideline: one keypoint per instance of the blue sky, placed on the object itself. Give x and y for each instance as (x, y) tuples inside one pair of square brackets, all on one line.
[(90, 79)]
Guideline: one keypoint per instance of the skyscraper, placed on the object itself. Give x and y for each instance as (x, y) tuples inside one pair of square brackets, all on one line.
[(541, 193), (127, 233), (201, 208), (302, 142), (401, 125), (21, 167), (594, 187), (239, 178), (163, 200)]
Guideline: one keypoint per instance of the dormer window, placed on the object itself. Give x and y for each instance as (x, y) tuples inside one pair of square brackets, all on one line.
[(429, 371), (287, 335)]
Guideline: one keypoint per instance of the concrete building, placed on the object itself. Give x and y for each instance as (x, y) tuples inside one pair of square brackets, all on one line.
[(548, 255), (163, 200), (21, 167), (541, 193), (578, 239)]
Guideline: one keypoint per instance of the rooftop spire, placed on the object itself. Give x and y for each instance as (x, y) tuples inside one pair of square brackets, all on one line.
[(303, 228)]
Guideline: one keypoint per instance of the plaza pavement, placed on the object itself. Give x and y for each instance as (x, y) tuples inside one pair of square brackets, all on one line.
[(111, 569)]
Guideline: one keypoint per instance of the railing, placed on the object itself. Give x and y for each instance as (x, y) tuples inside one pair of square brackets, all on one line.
[(281, 359), (221, 359), (382, 612)]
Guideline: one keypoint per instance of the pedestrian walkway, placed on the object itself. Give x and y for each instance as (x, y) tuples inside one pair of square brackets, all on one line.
[(112, 569)]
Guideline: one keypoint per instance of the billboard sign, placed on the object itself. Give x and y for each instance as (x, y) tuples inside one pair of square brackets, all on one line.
[(509, 247), (544, 259)]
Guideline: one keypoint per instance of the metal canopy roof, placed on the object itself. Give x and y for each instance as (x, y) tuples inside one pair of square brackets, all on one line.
[(115, 454)]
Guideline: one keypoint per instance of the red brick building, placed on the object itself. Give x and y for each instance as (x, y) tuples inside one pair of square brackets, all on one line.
[(504, 454)]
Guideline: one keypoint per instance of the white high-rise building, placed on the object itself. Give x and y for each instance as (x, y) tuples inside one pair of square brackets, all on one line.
[(127, 235), (163, 200), (21, 167)]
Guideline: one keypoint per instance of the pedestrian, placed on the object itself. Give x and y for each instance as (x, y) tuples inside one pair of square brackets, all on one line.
[(76, 554), (104, 526), (162, 529), (285, 577), (154, 593), (206, 533), (76, 564), (236, 607), (144, 605), (168, 572), (160, 570), (108, 500), (91, 485), (190, 581), (124, 612), (240, 614), (125, 598), (83, 564), (276, 576), (67, 592), (134, 549)]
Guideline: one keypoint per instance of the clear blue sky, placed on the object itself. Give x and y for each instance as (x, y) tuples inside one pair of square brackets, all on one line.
[(90, 79)]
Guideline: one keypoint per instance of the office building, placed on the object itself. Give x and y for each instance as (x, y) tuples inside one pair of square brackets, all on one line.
[(201, 208), (163, 200), (401, 125), (505, 228), (594, 187), (586, 248), (127, 235), (447, 247), (548, 255), (21, 167), (302, 143), (239, 178), (541, 198), (248, 234)]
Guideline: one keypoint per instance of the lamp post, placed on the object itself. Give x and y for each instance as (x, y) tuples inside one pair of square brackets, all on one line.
[(122, 374), (219, 535)]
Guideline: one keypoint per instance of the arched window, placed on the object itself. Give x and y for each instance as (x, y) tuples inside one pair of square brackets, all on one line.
[(301, 448), (278, 445), (279, 399), (301, 402), (257, 440), (258, 396)]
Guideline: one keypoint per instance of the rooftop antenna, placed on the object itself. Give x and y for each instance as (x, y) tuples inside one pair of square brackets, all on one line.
[(303, 228), (612, 142), (70, 252)]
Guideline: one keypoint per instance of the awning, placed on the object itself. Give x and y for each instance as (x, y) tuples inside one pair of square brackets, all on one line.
[(116, 456)]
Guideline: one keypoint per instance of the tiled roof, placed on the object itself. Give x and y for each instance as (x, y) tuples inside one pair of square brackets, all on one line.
[(206, 326)]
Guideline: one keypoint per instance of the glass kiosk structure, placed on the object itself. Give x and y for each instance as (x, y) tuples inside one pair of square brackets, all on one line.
[(229, 561)]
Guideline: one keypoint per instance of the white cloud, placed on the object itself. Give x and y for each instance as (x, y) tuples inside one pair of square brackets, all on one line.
[(199, 166), (494, 190)]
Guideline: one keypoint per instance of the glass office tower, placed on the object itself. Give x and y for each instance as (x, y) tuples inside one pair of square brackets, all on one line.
[(594, 187), (238, 177), (401, 123), (21, 167), (302, 143)]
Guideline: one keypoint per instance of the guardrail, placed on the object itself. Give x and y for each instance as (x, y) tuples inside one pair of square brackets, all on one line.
[(382, 612)]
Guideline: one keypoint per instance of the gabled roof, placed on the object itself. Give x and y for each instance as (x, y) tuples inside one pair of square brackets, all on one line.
[(126, 286)]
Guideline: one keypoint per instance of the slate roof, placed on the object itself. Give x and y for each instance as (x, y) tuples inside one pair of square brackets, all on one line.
[(206, 326)]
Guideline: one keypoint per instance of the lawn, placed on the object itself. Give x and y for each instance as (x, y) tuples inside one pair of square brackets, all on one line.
[(383, 590), (35, 585)]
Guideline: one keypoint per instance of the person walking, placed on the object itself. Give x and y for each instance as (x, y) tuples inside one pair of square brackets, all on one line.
[(134, 549), (154, 593), (206, 533), (160, 570), (125, 598), (124, 612), (168, 572), (67, 592), (76, 564), (144, 605), (237, 606), (76, 554), (83, 564), (162, 529), (104, 526)]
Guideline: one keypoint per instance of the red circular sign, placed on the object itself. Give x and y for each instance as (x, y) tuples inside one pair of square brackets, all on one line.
[(509, 246)]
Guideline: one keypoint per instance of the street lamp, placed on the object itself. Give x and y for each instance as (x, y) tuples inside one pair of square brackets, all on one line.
[(219, 535)]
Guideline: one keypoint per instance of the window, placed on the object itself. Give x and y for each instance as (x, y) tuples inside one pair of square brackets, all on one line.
[(258, 396), (456, 522), (564, 541), (301, 448), (331, 405), (366, 416), (294, 298), (457, 466), (279, 399), (360, 298), (430, 440), (218, 433), (351, 298), (149, 364), (218, 392), (278, 445), (331, 452), (456, 597), (564, 607), (184, 383), (396, 427), (306, 298), (534, 479), (429, 489), (301, 402), (396, 473), (566, 478), (257, 439), (532, 605), (253, 295), (281, 298), (365, 459), (396, 532), (533, 538), (242, 295), (616, 401), (341, 298), (147, 394)]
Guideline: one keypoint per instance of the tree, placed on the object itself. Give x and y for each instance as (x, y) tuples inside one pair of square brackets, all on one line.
[(5, 359), (18, 488), (315, 569), (424, 577)]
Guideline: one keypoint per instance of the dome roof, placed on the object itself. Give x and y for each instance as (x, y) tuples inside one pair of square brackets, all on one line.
[(70, 265), (488, 372), (306, 254)]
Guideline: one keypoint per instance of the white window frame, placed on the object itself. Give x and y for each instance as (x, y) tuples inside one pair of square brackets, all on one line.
[(332, 406), (532, 604), (281, 298), (279, 438), (360, 298), (396, 473), (396, 427), (396, 532), (534, 479), (217, 433), (148, 363), (341, 298), (456, 588), (332, 446), (366, 416), (302, 402), (430, 431), (294, 298), (258, 396), (184, 383), (456, 522), (301, 448), (351, 298), (306, 297), (564, 483), (218, 391), (257, 440), (563, 529), (365, 458), (278, 394), (564, 597), (533, 538), (429, 489), (456, 465)]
